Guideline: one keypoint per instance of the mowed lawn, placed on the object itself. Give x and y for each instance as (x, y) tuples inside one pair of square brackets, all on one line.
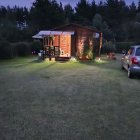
[(68, 101)]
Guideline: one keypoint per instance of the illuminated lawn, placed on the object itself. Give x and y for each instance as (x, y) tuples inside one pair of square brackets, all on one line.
[(68, 101)]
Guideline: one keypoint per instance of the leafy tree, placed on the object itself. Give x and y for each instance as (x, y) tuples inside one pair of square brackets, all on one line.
[(101, 9), (112, 12), (68, 12), (39, 14), (93, 8), (97, 21), (138, 9), (132, 11), (83, 12), (138, 17), (123, 12), (3, 12), (57, 14), (46, 14), (103, 26)]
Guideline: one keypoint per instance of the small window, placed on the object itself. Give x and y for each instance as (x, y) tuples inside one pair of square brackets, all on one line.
[(137, 52)]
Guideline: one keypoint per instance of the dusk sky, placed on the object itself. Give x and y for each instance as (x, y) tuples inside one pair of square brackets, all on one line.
[(28, 3)]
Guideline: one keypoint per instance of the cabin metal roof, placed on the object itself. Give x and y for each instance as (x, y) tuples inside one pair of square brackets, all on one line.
[(41, 34)]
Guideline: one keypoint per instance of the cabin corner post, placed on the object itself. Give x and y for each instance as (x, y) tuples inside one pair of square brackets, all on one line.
[(43, 53), (100, 42)]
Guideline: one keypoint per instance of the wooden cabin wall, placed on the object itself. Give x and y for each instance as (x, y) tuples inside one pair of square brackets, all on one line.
[(81, 36), (84, 38), (65, 45), (56, 40)]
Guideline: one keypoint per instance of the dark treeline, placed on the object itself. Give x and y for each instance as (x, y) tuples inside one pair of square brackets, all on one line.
[(114, 18)]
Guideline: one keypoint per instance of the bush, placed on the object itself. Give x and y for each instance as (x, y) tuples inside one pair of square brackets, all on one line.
[(6, 50), (23, 49), (108, 47), (90, 48), (87, 53), (36, 46), (123, 46)]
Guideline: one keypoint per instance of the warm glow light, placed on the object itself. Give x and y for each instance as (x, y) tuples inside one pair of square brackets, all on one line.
[(100, 61)]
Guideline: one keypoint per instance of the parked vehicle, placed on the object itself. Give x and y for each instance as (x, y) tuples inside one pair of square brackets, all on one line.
[(131, 61)]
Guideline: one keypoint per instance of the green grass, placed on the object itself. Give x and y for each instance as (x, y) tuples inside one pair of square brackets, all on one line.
[(68, 101)]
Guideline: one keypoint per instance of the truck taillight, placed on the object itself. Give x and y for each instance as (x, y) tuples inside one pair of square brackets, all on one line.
[(134, 60)]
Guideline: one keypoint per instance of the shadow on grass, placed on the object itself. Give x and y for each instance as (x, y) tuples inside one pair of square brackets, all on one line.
[(104, 62), (28, 64), (38, 65), (37, 61), (112, 66)]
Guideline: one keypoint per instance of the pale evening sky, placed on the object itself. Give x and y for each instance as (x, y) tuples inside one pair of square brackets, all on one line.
[(28, 3)]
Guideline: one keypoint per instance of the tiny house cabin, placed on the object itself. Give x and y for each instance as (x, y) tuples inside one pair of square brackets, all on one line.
[(69, 40)]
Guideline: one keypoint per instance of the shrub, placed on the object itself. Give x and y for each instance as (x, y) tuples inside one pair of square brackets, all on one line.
[(108, 46), (36, 46), (6, 50), (23, 49), (123, 46), (87, 52)]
